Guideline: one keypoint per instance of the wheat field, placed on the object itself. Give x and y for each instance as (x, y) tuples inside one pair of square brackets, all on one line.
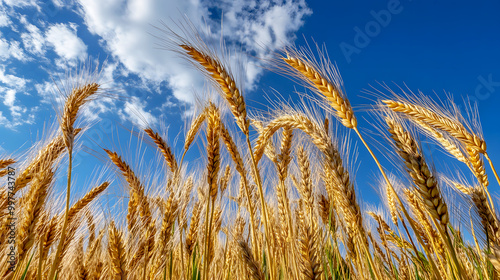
[(276, 198)]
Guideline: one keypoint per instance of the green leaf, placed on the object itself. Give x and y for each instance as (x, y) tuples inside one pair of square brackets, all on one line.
[(27, 266)]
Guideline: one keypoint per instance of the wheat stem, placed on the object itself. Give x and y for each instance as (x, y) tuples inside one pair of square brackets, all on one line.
[(55, 263), (492, 168)]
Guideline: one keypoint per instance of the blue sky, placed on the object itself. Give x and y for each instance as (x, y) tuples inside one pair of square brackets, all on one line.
[(435, 46)]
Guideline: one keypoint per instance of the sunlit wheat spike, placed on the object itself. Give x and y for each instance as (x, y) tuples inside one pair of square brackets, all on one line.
[(247, 257), (327, 216), (169, 218), (32, 210), (4, 172), (391, 203), (428, 233), (233, 150), (78, 97), (191, 236), (164, 148), (193, 129), (488, 218), (137, 197), (304, 68), (224, 180), (449, 145), (85, 200), (45, 158), (294, 121), (91, 225), (308, 247), (93, 248), (285, 150), (184, 202), (269, 150), (213, 149), (477, 164), (306, 186), (436, 120), (427, 185), (226, 82), (6, 162), (117, 254), (494, 257)]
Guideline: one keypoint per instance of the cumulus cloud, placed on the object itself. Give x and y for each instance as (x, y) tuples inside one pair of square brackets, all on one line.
[(125, 28), (273, 28), (66, 43)]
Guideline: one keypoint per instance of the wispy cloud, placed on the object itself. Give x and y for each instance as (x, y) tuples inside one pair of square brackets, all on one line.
[(135, 112), (11, 49), (4, 17), (10, 86), (33, 40)]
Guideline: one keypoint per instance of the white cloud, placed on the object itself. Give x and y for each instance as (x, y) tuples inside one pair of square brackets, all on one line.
[(4, 18), (3, 119), (11, 80), (11, 49), (66, 43), (13, 85), (135, 112), (125, 27), (9, 97), (15, 110), (273, 28), (22, 3), (33, 40)]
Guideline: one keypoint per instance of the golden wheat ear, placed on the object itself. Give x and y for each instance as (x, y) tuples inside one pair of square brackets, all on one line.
[(322, 78), (224, 79), (117, 253), (164, 149), (427, 185), (439, 121)]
